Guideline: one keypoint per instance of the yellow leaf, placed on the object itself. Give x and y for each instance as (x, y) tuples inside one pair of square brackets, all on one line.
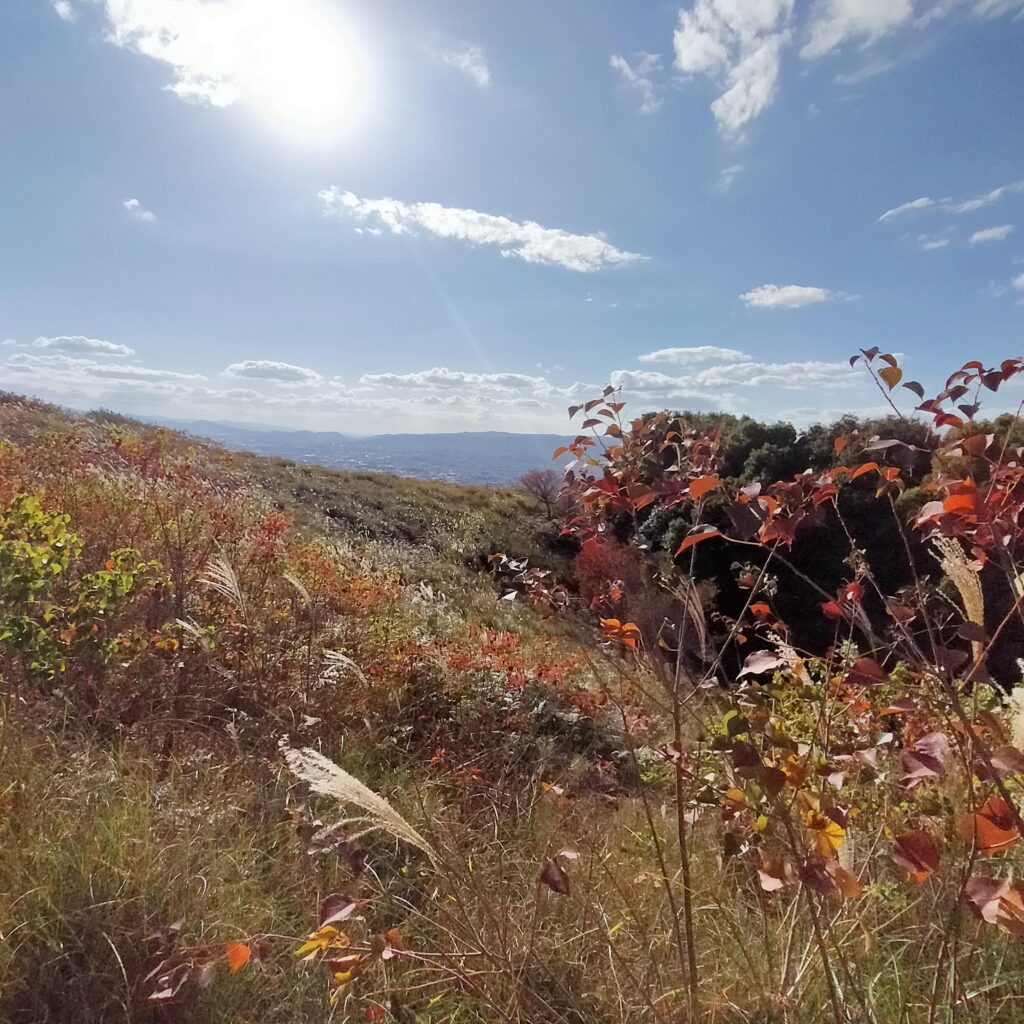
[(892, 375), (327, 937), (826, 835)]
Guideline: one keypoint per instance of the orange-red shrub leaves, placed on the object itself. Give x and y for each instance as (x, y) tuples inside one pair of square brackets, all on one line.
[(991, 829)]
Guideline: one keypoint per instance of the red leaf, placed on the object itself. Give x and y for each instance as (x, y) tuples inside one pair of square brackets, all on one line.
[(917, 854), (866, 672)]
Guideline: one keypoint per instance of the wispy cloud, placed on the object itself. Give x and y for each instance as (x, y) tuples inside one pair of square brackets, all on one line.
[(525, 240), (77, 344), (137, 210), (786, 296), (836, 22), (694, 355), (923, 203), (865, 72), (979, 202), (1018, 283), (273, 371), (727, 177), (638, 75), (470, 59), (996, 234), (929, 243), (64, 10), (740, 44), (443, 378)]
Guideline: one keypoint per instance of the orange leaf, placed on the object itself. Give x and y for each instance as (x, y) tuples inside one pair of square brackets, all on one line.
[(238, 954), (864, 467), (991, 829), (701, 486), (959, 503), (702, 533)]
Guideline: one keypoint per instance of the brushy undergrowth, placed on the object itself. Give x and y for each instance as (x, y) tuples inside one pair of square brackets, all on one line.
[(685, 811)]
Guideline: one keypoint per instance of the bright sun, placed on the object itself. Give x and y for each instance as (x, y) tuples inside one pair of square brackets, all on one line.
[(304, 71)]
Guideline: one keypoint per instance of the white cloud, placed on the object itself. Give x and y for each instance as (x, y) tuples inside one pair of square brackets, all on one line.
[(811, 374), (524, 240), (787, 296), (639, 76), (470, 59), (273, 371), (294, 62), (728, 176), (737, 45), (835, 22), (64, 10), (930, 243), (442, 377), (996, 234), (90, 370), (693, 355), (985, 199), (707, 385), (76, 343), (1018, 283), (136, 209), (649, 386), (915, 204)]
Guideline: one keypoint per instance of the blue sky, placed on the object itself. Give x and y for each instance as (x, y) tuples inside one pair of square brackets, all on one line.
[(460, 216)]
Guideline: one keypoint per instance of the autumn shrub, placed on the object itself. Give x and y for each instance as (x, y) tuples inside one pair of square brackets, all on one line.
[(835, 773)]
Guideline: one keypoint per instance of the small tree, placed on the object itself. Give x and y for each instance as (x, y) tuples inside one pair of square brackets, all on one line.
[(544, 485)]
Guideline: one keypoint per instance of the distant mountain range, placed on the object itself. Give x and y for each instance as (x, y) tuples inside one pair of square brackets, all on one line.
[(484, 457)]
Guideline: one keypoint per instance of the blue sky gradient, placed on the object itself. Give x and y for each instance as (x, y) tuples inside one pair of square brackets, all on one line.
[(172, 243)]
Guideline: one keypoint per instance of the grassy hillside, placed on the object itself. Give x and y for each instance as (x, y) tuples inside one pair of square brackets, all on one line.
[(175, 618)]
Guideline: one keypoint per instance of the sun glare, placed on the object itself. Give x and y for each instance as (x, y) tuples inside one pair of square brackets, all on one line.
[(306, 74)]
